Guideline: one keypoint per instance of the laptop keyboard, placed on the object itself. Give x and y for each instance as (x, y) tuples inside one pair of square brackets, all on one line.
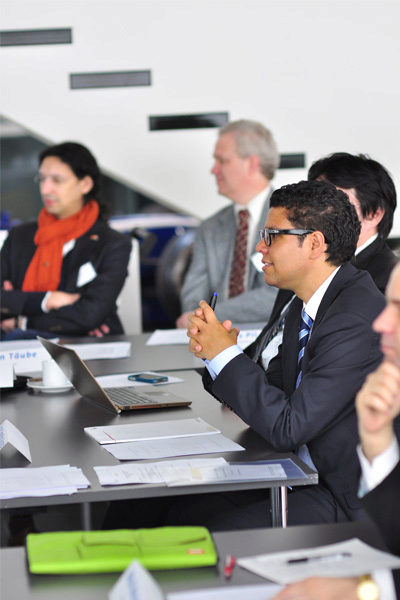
[(129, 397)]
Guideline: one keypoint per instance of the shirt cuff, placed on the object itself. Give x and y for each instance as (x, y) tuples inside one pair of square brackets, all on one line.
[(374, 473), (220, 361), (43, 305)]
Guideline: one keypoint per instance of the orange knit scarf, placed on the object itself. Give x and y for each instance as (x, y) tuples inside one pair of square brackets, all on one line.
[(44, 271)]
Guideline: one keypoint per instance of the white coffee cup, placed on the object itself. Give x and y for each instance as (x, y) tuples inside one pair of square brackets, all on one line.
[(52, 376)]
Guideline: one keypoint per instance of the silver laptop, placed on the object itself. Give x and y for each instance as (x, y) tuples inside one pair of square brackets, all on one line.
[(114, 399)]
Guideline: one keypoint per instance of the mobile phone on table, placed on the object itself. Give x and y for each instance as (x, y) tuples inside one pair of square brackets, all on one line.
[(148, 378)]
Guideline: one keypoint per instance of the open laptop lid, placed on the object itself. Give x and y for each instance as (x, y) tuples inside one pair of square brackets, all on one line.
[(78, 374)]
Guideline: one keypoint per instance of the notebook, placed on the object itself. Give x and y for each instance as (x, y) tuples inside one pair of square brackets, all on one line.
[(113, 399)]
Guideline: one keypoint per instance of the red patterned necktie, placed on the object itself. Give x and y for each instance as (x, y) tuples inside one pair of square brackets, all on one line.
[(239, 262)]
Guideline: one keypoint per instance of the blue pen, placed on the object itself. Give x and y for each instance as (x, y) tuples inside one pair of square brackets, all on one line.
[(213, 300)]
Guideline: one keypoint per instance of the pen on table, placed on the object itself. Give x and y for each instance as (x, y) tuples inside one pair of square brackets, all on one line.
[(321, 558), (230, 562), (213, 300)]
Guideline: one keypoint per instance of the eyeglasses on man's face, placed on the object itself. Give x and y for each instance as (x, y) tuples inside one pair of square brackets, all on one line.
[(268, 234)]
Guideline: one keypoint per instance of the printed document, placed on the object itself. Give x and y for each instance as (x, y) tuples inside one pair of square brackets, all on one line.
[(164, 448), (221, 474), (152, 430), (148, 472), (41, 481), (344, 559)]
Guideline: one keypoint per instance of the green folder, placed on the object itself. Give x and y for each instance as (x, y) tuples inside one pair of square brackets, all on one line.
[(113, 551)]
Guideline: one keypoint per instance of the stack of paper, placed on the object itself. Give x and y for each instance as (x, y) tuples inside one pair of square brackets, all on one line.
[(150, 472), (41, 481), (227, 473), (197, 471), (162, 439)]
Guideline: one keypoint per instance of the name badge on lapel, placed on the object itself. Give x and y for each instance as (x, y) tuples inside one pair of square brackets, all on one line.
[(86, 274)]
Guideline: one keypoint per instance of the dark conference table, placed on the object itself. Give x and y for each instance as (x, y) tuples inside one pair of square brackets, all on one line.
[(54, 426), (17, 583)]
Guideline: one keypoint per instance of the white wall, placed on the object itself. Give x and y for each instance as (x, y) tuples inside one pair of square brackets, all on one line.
[(323, 75)]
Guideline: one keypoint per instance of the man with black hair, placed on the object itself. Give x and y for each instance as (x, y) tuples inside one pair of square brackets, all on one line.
[(371, 190), (304, 402), (63, 273)]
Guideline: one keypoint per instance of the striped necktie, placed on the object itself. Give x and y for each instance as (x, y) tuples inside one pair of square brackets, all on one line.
[(239, 261), (304, 333)]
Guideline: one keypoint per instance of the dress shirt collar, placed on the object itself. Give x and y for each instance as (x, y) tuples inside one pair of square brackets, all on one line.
[(366, 244), (312, 305), (254, 207)]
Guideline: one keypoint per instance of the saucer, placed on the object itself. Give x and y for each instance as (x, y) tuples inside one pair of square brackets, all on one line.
[(37, 385)]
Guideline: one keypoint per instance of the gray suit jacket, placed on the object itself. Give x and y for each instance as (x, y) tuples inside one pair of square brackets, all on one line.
[(210, 269)]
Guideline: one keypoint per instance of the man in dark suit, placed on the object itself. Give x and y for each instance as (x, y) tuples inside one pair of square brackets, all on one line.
[(371, 190), (224, 259), (305, 400), (62, 273), (378, 404)]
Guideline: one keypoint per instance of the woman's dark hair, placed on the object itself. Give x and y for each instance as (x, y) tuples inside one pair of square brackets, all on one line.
[(82, 162)]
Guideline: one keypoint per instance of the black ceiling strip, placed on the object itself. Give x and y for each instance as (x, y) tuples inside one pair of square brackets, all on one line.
[(29, 37), (79, 81), (201, 120)]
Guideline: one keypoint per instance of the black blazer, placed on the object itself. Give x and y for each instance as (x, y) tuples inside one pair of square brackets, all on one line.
[(341, 351), (104, 248), (378, 259), (382, 505)]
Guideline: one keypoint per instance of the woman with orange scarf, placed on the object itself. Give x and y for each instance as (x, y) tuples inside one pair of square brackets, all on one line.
[(63, 273)]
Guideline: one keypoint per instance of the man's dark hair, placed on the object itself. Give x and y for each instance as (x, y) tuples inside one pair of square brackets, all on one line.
[(372, 183), (82, 162), (318, 205)]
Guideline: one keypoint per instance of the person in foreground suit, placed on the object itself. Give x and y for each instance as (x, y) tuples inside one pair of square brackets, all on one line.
[(308, 407), (371, 190), (378, 404), (65, 271), (246, 158)]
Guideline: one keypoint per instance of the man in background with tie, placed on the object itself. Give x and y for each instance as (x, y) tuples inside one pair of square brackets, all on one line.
[(224, 259), (304, 402)]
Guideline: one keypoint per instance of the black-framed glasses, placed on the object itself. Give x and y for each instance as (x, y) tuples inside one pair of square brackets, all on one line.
[(268, 234)]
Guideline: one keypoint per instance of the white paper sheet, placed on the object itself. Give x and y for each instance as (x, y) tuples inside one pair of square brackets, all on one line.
[(164, 448), (263, 591), (9, 434), (162, 337), (222, 474), (136, 583), (104, 350), (121, 380), (6, 374), (41, 481), (151, 430), (148, 472), (351, 558)]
